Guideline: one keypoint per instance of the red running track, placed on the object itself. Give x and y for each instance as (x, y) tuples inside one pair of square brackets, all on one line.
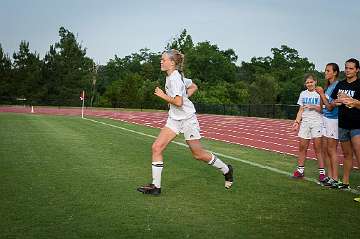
[(267, 134)]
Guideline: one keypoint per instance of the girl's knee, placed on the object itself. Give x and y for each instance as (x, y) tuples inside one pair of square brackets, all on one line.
[(156, 148)]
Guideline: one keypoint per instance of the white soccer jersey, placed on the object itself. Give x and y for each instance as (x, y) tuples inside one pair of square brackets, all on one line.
[(187, 82), (310, 98), (176, 86)]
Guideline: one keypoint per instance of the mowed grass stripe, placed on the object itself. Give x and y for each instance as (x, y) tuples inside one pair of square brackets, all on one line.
[(64, 177)]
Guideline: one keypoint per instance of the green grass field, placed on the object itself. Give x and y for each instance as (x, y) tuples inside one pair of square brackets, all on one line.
[(65, 177)]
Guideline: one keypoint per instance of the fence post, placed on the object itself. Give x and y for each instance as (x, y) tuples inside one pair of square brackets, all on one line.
[(273, 111)]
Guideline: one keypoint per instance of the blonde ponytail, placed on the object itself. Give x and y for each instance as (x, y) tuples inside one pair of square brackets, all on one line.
[(177, 57)]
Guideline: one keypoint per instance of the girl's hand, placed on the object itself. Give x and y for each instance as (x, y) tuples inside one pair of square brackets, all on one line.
[(295, 126), (159, 92), (310, 107), (349, 102), (344, 99), (319, 90), (342, 96), (337, 102)]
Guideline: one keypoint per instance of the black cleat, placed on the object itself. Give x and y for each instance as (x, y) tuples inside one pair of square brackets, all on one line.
[(327, 183), (149, 189), (343, 186), (229, 177), (335, 184)]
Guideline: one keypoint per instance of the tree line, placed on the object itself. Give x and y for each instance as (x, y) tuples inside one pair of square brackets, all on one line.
[(65, 71)]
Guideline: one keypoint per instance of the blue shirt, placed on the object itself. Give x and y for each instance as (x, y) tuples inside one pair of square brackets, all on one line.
[(327, 113)]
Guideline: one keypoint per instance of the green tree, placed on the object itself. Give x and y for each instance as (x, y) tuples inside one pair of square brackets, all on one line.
[(282, 73), (264, 89), (212, 69), (68, 71), (209, 64), (183, 43), (27, 70), (7, 89), (289, 68), (125, 92), (132, 79), (239, 93)]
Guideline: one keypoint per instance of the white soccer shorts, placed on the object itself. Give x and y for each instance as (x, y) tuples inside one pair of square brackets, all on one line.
[(330, 128), (189, 127), (310, 130)]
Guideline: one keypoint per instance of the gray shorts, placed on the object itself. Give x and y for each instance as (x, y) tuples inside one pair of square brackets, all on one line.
[(347, 134), (310, 130)]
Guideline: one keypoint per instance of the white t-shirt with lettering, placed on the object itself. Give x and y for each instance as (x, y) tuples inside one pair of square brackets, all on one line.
[(310, 98), (176, 86)]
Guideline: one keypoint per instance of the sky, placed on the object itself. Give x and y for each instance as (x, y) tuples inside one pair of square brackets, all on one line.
[(322, 30)]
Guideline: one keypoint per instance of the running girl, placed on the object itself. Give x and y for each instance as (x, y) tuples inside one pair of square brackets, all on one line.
[(181, 119), (309, 123)]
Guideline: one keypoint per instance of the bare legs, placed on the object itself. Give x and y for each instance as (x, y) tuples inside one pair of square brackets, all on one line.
[(329, 147), (303, 146), (198, 151), (348, 147), (165, 137)]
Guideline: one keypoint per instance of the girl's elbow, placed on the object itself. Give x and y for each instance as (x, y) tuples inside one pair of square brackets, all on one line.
[(178, 101), (179, 104)]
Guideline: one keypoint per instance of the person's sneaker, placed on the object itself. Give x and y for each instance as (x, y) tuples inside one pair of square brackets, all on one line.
[(149, 189), (297, 174), (335, 184), (229, 179), (343, 186), (323, 179), (357, 199), (328, 183)]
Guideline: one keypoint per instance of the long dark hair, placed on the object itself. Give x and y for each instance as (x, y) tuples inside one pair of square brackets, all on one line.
[(335, 67)]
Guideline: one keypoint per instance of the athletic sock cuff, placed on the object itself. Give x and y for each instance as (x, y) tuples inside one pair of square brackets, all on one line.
[(157, 164), (213, 159)]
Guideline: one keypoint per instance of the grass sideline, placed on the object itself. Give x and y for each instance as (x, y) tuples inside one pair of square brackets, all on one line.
[(64, 177)]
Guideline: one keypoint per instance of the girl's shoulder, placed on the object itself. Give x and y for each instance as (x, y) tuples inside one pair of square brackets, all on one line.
[(332, 86), (175, 75), (176, 78), (307, 93), (304, 92)]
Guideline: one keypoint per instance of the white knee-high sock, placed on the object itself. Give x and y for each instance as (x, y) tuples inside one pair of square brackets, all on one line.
[(157, 168), (217, 163), (301, 169)]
